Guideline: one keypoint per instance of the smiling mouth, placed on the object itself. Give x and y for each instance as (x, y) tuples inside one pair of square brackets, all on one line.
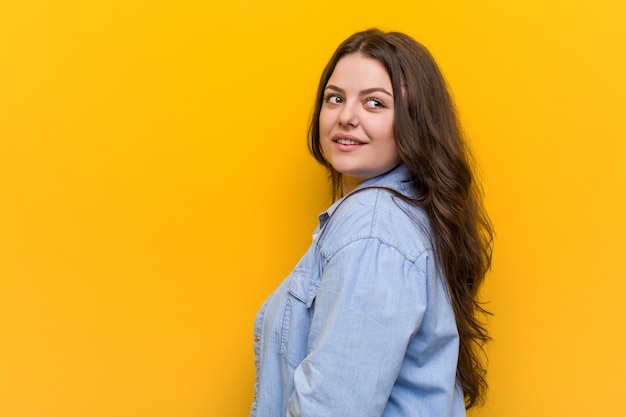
[(343, 141)]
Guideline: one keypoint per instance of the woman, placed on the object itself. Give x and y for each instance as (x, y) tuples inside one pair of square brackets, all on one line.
[(379, 318)]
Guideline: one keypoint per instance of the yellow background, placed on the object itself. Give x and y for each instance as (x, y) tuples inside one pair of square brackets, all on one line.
[(155, 187)]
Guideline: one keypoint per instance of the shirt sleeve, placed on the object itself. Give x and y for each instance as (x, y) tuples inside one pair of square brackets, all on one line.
[(370, 303)]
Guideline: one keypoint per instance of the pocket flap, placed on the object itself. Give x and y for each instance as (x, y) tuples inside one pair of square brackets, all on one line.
[(302, 287)]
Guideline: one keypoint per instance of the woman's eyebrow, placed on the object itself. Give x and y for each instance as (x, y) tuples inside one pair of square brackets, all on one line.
[(375, 90), (363, 92), (335, 88)]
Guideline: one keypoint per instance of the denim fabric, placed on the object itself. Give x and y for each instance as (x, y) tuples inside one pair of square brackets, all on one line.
[(363, 325)]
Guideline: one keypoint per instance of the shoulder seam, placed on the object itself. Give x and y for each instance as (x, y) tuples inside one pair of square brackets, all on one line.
[(412, 259)]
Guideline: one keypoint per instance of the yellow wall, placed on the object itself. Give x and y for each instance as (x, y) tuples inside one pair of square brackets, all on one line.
[(155, 187)]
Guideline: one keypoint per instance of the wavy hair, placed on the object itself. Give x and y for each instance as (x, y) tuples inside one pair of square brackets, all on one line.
[(431, 144)]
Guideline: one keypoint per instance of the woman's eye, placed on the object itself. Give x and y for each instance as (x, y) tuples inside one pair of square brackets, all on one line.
[(374, 103), (333, 99)]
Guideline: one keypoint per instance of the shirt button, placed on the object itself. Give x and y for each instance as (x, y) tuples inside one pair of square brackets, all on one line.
[(257, 338)]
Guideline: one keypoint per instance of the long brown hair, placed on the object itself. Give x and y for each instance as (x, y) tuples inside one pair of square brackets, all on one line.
[(431, 144)]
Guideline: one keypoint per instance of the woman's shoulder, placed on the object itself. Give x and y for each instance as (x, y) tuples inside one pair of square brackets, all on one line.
[(381, 214)]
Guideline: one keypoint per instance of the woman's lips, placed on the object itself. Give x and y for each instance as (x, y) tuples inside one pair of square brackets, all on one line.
[(343, 141), (346, 140)]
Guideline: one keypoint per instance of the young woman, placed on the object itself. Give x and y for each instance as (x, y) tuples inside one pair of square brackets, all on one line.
[(381, 317)]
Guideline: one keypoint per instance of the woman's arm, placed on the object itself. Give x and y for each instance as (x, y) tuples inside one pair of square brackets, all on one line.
[(369, 305)]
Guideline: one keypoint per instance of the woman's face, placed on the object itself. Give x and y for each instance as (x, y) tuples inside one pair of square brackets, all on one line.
[(356, 121)]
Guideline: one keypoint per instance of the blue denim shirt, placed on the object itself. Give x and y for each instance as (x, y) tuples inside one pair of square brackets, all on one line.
[(363, 325)]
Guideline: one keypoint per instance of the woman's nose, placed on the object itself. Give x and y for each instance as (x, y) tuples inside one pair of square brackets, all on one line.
[(348, 116)]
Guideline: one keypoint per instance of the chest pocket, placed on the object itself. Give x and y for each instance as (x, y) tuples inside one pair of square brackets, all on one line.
[(297, 319)]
